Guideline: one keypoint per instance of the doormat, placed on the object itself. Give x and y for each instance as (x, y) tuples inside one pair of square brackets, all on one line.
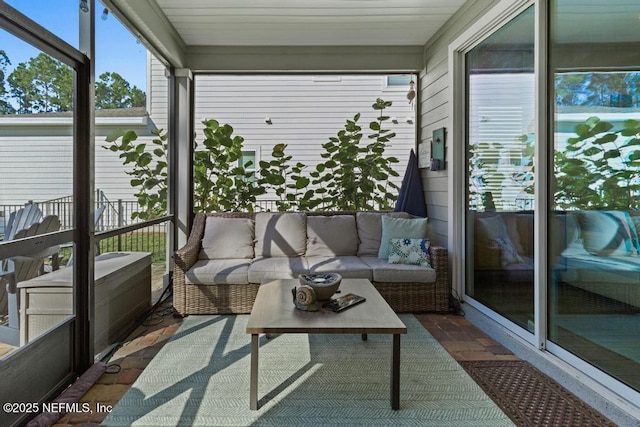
[(531, 398)]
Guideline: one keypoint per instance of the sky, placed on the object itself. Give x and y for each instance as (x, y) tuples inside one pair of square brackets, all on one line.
[(116, 48)]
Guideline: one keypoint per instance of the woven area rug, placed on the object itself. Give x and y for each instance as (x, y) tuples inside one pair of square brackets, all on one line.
[(530, 397), (201, 377)]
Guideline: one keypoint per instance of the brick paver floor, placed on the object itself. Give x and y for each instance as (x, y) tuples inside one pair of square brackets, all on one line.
[(458, 336), (125, 365)]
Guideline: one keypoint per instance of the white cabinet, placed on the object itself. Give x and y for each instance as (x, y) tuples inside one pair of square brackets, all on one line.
[(122, 293)]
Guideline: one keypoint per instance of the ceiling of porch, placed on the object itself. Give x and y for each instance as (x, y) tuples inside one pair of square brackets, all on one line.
[(307, 23), (177, 27), (331, 35)]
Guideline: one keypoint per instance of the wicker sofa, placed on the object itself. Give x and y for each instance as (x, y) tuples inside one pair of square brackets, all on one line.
[(212, 277), (592, 250)]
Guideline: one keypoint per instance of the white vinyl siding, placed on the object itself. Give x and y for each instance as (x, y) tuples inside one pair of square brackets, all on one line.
[(158, 93), (304, 111), (435, 96), (35, 168), (37, 160), (499, 115)]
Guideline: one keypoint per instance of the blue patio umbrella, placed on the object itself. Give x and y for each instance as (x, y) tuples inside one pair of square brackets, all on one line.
[(411, 195)]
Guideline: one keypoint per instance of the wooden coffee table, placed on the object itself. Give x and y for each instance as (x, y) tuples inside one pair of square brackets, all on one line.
[(274, 313)]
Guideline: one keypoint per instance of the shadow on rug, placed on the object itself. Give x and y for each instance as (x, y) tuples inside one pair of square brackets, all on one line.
[(529, 397), (201, 377)]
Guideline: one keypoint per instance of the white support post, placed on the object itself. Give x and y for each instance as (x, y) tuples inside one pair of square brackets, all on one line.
[(182, 163)]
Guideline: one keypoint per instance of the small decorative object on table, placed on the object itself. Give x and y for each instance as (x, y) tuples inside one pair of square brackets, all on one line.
[(323, 284), (342, 303), (304, 298)]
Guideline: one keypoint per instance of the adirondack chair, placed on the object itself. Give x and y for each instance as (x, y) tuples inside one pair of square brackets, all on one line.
[(18, 269), (21, 219)]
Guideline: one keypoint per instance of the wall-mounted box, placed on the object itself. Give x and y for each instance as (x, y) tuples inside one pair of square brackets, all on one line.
[(438, 143)]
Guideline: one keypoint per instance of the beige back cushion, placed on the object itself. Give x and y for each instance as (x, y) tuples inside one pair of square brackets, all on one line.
[(369, 226), (331, 235), (227, 238), (281, 234)]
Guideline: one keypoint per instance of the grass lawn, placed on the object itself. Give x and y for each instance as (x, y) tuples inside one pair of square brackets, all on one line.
[(141, 240)]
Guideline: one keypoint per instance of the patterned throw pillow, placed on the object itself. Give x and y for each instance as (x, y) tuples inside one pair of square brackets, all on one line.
[(409, 251), (508, 251), (493, 232), (400, 228)]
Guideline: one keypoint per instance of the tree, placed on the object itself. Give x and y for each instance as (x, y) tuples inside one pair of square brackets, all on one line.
[(138, 97), (597, 89), (5, 106), (21, 88), (43, 84), (53, 84), (113, 91)]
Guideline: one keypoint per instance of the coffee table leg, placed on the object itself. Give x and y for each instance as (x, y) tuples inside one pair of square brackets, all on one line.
[(395, 372), (253, 379), (364, 337)]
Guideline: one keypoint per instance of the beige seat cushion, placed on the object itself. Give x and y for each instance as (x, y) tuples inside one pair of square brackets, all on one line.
[(219, 272), (346, 266), (331, 235), (227, 238), (262, 270), (280, 234), (385, 272), (369, 225)]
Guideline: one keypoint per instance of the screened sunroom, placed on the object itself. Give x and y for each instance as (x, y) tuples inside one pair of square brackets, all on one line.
[(535, 199)]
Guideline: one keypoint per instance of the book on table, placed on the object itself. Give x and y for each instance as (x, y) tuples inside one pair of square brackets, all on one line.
[(343, 302)]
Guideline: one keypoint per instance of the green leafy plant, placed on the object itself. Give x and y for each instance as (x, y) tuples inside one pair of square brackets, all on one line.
[(356, 177), (220, 184), (375, 168), (599, 168), (149, 174), (353, 177), (286, 181)]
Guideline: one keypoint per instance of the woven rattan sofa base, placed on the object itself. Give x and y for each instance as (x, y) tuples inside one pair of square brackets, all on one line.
[(237, 299), (218, 299), (414, 297)]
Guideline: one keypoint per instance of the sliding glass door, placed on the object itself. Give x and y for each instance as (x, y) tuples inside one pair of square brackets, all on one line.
[(500, 146), (594, 277)]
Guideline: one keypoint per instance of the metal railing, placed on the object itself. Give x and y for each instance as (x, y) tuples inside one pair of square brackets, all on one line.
[(116, 214), (147, 238)]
